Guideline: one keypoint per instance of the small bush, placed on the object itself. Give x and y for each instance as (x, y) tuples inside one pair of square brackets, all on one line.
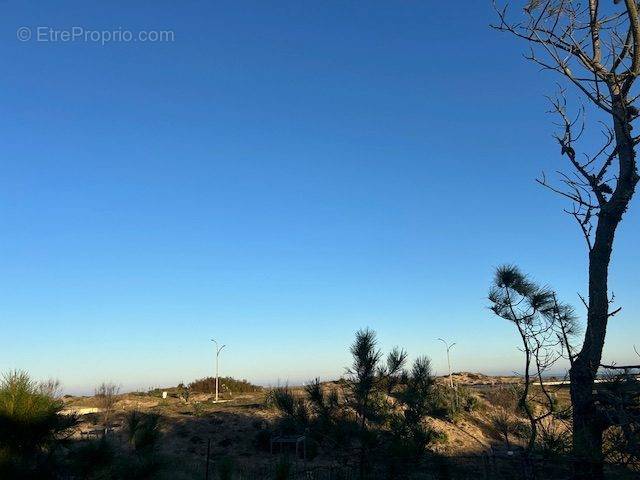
[(408, 441), (184, 393), (282, 399), (443, 403), (143, 431), (295, 413), (553, 440), (469, 401), (29, 419), (30, 427), (198, 409), (449, 404)]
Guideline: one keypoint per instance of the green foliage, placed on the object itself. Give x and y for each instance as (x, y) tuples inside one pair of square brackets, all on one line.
[(294, 410), (226, 386), (282, 399), (184, 393), (409, 434), (554, 441), (362, 381), (544, 326), (382, 413), (509, 426), (443, 403), (450, 404), (322, 404), (417, 394), (533, 308), (103, 460), (324, 409), (198, 409), (32, 430), (31, 427), (29, 415), (392, 373), (143, 431), (521, 428), (468, 401)]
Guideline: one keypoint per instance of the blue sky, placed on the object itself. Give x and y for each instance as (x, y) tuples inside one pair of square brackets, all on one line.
[(277, 176)]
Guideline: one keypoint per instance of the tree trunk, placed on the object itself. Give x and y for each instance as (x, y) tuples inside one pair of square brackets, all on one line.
[(588, 425)]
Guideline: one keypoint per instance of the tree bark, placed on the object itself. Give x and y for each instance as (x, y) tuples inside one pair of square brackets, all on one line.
[(588, 424)]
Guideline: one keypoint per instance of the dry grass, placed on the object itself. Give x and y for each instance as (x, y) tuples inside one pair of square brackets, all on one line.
[(232, 426)]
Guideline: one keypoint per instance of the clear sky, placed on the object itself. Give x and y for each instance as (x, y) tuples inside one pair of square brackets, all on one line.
[(279, 175)]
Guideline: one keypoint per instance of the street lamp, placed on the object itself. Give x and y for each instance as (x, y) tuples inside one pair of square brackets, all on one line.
[(218, 350), (449, 347)]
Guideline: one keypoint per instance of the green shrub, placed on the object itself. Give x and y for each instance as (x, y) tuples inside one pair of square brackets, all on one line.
[(295, 413), (184, 393), (282, 399), (198, 409), (553, 440), (102, 460), (29, 415), (226, 386), (522, 429), (31, 427), (450, 404), (468, 400), (442, 403), (143, 430)]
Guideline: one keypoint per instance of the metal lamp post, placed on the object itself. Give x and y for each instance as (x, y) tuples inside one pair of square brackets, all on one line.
[(218, 350), (449, 347)]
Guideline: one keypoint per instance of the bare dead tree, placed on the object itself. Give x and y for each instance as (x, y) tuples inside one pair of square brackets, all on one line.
[(107, 396), (595, 46)]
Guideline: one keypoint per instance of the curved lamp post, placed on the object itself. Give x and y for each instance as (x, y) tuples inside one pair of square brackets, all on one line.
[(218, 350), (449, 347)]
